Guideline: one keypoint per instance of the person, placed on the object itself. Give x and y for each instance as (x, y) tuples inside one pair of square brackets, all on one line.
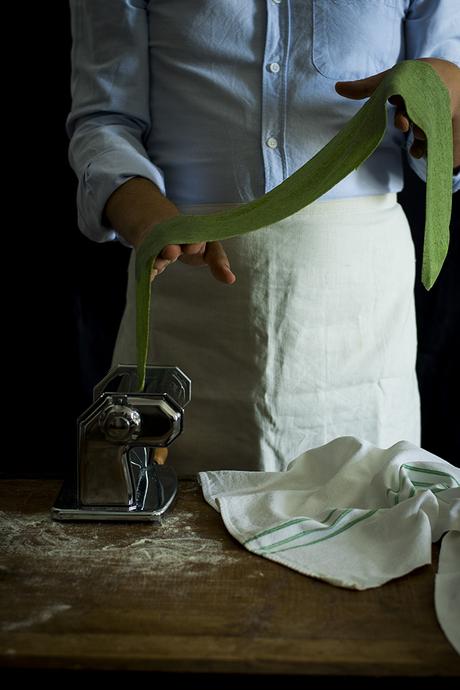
[(308, 332)]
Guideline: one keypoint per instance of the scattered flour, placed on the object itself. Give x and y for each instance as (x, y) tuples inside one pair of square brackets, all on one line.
[(61, 558), (175, 544), (38, 617)]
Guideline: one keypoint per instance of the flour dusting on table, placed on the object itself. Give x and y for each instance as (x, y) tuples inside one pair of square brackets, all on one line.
[(144, 546)]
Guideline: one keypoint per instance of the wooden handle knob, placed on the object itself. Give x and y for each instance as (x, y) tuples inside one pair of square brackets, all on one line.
[(160, 455)]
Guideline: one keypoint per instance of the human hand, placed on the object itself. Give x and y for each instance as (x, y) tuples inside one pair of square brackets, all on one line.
[(450, 75), (137, 206), (210, 254)]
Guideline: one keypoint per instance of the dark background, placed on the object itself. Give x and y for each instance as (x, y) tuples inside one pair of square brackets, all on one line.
[(65, 301)]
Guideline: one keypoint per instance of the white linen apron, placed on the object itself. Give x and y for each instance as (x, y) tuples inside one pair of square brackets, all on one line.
[(316, 339)]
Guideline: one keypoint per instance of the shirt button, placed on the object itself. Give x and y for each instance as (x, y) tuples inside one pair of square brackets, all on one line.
[(272, 142), (274, 67)]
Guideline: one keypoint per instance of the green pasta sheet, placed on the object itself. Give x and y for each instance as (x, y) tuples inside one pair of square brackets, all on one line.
[(427, 103)]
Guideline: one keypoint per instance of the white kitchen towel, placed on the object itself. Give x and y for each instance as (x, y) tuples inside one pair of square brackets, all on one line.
[(348, 512), (447, 589)]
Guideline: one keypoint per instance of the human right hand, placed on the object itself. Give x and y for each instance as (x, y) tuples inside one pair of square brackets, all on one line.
[(450, 75)]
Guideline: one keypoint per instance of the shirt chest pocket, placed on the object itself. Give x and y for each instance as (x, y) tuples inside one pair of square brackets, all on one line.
[(353, 39)]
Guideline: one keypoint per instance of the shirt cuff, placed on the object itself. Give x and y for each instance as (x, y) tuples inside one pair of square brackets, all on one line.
[(102, 176)]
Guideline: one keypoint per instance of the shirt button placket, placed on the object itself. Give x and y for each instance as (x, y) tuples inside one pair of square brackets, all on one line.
[(273, 94)]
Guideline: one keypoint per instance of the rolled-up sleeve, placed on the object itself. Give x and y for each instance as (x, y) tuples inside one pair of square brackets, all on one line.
[(432, 29), (110, 115)]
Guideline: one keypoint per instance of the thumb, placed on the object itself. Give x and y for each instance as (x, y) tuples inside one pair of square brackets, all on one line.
[(360, 88)]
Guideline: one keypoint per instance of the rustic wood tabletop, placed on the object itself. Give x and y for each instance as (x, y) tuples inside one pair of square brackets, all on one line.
[(186, 597)]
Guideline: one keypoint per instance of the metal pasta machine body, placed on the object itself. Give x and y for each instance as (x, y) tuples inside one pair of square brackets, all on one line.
[(116, 475)]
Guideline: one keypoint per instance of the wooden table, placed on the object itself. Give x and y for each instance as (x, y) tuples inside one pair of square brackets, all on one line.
[(185, 597)]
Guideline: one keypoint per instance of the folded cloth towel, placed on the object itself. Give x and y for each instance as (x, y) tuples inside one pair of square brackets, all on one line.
[(346, 512), (447, 589)]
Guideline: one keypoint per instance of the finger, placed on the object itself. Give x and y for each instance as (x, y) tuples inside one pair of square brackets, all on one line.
[(401, 118), (160, 265), (171, 252), (418, 148), (360, 88), (218, 262), (398, 101), (401, 121), (418, 133), (196, 248)]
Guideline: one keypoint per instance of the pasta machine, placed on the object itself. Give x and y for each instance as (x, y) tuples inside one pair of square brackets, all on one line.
[(116, 475)]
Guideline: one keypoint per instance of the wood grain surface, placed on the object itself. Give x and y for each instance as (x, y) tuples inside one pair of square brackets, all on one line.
[(186, 597)]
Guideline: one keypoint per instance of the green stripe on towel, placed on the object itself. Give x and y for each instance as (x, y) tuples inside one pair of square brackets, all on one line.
[(275, 548), (409, 481), (286, 525), (296, 521), (425, 470)]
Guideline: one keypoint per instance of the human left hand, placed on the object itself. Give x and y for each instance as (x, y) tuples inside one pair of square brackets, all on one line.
[(450, 75)]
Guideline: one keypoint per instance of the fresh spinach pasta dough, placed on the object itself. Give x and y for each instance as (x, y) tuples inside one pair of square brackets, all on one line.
[(428, 106)]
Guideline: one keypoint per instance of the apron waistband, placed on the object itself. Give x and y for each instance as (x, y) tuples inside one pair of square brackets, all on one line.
[(358, 204)]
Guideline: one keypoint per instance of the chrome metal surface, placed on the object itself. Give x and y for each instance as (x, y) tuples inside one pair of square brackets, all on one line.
[(120, 423), (158, 379), (157, 496), (116, 477)]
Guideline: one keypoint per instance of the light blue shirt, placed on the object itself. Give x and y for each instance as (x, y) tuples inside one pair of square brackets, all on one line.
[(221, 100)]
